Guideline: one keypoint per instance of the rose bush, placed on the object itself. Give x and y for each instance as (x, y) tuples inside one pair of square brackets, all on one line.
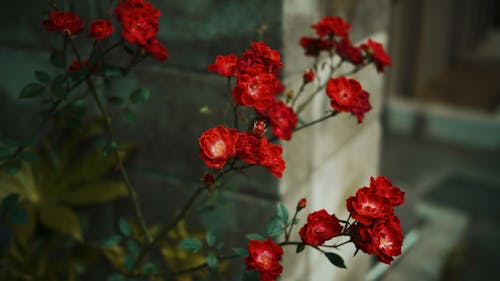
[(254, 83)]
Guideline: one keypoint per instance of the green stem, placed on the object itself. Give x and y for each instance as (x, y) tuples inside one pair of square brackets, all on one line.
[(334, 113), (287, 233)]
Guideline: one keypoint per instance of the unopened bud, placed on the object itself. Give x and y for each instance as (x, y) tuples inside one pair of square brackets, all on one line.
[(259, 127), (301, 204), (308, 76)]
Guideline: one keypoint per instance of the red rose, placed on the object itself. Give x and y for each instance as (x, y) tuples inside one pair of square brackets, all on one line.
[(100, 29), (313, 46), (281, 118), (217, 145), (157, 50), (350, 53), (368, 206), (139, 20), (376, 52), (264, 256), (270, 157), (320, 227), (308, 76), (347, 96), (77, 66), (259, 128), (64, 22), (257, 91), (224, 65), (248, 148), (335, 26), (387, 238), (384, 187), (260, 59), (361, 238)]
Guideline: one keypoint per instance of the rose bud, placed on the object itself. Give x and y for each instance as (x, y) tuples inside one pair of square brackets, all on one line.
[(259, 127), (301, 204), (308, 76)]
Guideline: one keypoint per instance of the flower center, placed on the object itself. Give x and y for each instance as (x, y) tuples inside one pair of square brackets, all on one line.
[(218, 148), (265, 258)]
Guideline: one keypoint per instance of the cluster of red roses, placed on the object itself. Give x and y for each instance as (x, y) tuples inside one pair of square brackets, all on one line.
[(219, 144), (333, 35), (257, 73), (139, 20), (377, 230)]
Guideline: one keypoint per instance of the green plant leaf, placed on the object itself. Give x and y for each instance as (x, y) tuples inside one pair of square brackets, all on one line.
[(220, 245), (242, 252), (335, 259), (282, 212), (61, 219), (42, 77), (255, 236), (116, 277), (28, 156), (111, 71), (211, 260), (139, 96), (210, 237), (111, 241), (133, 247), (124, 227), (94, 192), (32, 90), (129, 116), (275, 227), (191, 245), (300, 248)]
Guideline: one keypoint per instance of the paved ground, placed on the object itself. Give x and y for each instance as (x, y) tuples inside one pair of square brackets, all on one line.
[(453, 194)]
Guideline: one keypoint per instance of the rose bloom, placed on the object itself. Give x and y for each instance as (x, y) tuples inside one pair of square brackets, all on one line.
[(334, 26), (377, 53), (368, 206), (224, 65), (313, 46), (260, 59), (64, 22), (281, 118), (384, 187), (156, 50), (347, 96), (217, 145), (308, 76), (348, 52), (320, 227), (139, 20), (100, 29), (248, 148), (264, 256), (257, 91), (270, 157)]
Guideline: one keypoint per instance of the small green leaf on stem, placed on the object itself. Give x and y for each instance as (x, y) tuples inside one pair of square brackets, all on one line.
[(129, 116), (210, 237), (300, 248), (111, 241), (219, 246), (335, 259), (124, 227), (242, 252), (139, 96), (275, 227), (42, 77), (133, 247), (32, 90), (254, 236), (192, 245), (282, 212), (211, 260)]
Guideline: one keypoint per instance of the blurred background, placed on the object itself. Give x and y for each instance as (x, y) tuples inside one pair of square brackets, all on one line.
[(434, 128)]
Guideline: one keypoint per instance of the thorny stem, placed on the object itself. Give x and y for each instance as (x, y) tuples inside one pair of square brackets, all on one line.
[(121, 167), (298, 94)]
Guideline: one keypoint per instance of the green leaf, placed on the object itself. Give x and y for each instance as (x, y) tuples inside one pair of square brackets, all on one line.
[(94, 192), (12, 166), (129, 261), (61, 219), (57, 58), (211, 260), (28, 156), (282, 212), (192, 245), (139, 96), (111, 241), (255, 236), (275, 227), (133, 247), (42, 77), (124, 227), (242, 252), (300, 248), (114, 100), (210, 237), (149, 268), (32, 90), (111, 71), (220, 245), (129, 116), (335, 259), (116, 277)]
